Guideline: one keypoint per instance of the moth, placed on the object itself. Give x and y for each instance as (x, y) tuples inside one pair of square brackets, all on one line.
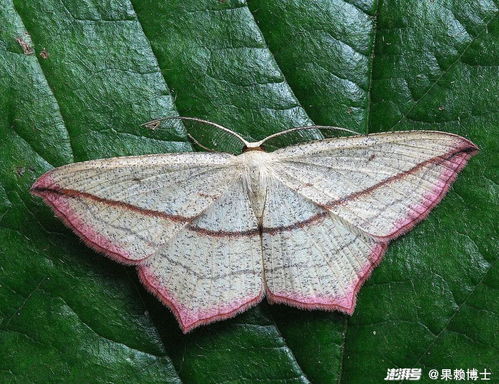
[(211, 234)]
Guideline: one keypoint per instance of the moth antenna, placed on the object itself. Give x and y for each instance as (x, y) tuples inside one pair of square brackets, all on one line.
[(261, 142), (199, 144), (154, 124)]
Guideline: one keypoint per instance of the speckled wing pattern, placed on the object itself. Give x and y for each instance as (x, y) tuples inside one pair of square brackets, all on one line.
[(183, 219), (333, 206), (323, 216)]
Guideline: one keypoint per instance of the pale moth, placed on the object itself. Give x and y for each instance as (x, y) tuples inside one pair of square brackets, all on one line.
[(211, 234)]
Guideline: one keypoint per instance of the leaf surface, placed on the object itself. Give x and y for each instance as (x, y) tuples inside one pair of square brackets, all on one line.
[(78, 78)]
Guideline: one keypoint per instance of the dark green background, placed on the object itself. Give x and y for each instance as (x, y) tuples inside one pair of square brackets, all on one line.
[(100, 68)]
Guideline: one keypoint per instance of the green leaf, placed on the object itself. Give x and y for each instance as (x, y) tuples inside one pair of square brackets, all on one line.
[(77, 78)]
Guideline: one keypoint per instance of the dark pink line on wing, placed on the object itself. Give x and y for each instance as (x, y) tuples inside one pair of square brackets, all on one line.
[(74, 193), (220, 233), (41, 191), (89, 236), (431, 200), (466, 151), (434, 160), (300, 224)]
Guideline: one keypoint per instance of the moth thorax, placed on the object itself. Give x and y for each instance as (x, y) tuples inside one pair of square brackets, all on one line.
[(255, 178)]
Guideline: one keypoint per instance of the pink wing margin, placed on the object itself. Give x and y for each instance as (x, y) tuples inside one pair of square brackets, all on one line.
[(454, 160), (57, 198), (61, 199), (185, 317), (345, 303), (457, 160)]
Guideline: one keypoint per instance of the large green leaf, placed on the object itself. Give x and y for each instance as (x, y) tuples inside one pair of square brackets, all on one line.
[(78, 77)]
